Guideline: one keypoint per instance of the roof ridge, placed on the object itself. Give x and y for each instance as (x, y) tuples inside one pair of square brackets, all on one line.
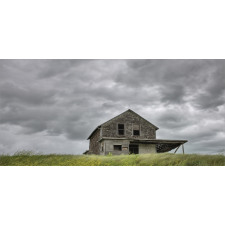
[(115, 117), (144, 119)]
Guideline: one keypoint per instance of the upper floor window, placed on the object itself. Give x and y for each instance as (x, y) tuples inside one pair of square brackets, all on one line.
[(136, 130), (121, 129)]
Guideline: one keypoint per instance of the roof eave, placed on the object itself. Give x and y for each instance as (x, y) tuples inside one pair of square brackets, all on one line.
[(93, 132)]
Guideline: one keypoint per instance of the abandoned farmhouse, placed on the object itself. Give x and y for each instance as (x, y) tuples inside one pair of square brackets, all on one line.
[(129, 133)]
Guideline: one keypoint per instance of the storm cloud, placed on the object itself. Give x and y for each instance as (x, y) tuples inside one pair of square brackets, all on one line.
[(51, 106)]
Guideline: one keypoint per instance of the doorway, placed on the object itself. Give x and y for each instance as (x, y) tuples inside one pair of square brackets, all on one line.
[(134, 149)]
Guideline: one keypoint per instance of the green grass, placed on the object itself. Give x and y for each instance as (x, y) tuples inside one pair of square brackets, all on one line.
[(165, 159)]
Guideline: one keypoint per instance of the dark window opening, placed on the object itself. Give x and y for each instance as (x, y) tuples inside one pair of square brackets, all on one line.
[(136, 132), (118, 147), (121, 129)]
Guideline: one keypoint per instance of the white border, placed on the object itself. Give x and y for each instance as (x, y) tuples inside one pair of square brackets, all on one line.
[(112, 195), (112, 29)]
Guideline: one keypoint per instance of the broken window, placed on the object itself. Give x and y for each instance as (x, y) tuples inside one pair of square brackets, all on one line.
[(136, 130), (121, 129), (118, 147)]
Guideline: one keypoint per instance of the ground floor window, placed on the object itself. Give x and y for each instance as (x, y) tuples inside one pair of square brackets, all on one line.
[(118, 147)]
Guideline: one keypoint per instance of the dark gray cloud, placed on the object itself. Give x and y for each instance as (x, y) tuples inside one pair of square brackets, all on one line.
[(53, 105)]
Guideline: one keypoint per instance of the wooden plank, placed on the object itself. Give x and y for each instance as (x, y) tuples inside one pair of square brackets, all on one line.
[(183, 149), (177, 149)]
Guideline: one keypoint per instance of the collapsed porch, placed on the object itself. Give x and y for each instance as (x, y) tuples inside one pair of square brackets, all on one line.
[(160, 145), (163, 145)]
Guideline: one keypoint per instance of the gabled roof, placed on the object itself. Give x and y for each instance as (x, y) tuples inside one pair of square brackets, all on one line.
[(129, 110)]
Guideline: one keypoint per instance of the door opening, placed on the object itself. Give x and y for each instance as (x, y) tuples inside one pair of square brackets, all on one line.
[(134, 149)]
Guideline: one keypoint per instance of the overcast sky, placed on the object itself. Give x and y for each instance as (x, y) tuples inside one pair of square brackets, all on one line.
[(51, 106)]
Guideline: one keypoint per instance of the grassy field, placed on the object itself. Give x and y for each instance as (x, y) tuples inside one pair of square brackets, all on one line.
[(122, 160)]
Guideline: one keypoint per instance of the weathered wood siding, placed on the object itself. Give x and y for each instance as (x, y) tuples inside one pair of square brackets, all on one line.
[(108, 147), (147, 148), (94, 143), (129, 119)]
